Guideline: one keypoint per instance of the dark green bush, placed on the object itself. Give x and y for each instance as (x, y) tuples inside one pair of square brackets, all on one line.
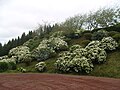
[(12, 65), (3, 66), (112, 33), (117, 37), (21, 69), (99, 35), (87, 36), (85, 42)]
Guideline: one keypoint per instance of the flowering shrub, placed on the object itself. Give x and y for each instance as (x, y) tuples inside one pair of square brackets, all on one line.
[(58, 34), (81, 64), (47, 48), (43, 52), (19, 52), (21, 69), (9, 63), (93, 44), (108, 43), (58, 44), (99, 35), (74, 61), (40, 66), (27, 58), (97, 55), (74, 47), (3, 57)]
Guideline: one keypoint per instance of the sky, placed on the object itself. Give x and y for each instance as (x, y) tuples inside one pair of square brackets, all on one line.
[(18, 16)]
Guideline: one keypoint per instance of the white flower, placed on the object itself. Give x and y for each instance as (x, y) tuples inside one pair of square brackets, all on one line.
[(40, 66)]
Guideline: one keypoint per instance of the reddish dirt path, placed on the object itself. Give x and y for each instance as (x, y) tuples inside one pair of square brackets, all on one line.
[(56, 82)]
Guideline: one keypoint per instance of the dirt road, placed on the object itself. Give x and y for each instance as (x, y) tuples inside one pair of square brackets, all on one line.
[(56, 82)]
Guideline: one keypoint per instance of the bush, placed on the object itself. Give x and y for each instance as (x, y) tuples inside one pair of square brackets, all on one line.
[(58, 44), (112, 33), (74, 61), (85, 42), (97, 55), (108, 43), (41, 66), (21, 69), (74, 47), (88, 36), (12, 65), (19, 52), (3, 66), (99, 35), (93, 44), (43, 52), (117, 36), (27, 59)]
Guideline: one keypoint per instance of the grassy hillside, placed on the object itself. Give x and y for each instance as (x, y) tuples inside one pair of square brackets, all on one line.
[(110, 68)]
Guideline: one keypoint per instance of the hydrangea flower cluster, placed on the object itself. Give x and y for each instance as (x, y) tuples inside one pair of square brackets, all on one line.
[(108, 43), (48, 47), (81, 59), (43, 52), (58, 44), (74, 60), (40, 66), (3, 57), (97, 55), (8, 60), (19, 52)]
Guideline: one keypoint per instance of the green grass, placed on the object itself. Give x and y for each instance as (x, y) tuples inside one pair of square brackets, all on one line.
[(111, 68)]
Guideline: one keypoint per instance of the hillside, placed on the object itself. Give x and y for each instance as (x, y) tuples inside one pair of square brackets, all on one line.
[(82, 45), (108, 68)]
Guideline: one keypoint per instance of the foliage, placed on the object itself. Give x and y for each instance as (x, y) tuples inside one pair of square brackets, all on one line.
[(117, 36), (97, 55), (47, 48), (19, 52), (85, 42), (11, 63), (21, 69), (27, 58), (43, 52), (93, 44), (87, 36), (74, 47), (75, 60), (108, 43), (112, 33), (57, 44), (41, 66), (99, 35), (3, 66)]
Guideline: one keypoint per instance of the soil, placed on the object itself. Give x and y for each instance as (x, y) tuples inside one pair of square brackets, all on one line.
[(56, 82)]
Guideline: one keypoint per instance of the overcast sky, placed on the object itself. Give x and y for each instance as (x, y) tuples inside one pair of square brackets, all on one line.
[(18, 16)]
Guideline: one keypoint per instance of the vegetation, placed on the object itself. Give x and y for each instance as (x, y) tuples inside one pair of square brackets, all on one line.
[(69, 47)]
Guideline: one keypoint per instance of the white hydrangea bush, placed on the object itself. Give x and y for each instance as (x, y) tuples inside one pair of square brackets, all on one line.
[(58, 44), (74, 47), (93, 44), (7, 60), (97, 55), (41, 66), (43, 52), (3, 57), (47, 48), (74, 61), (108, 43), (19, 52), (81, 64)]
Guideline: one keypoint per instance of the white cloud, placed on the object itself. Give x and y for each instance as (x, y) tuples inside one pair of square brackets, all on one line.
[(17, 16)]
